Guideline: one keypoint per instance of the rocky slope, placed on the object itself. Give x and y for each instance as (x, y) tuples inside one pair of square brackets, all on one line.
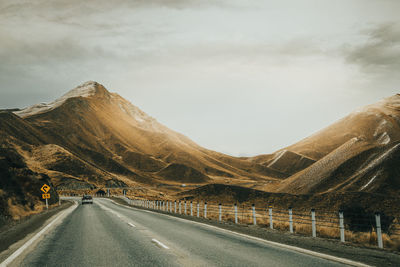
[(358, 153)]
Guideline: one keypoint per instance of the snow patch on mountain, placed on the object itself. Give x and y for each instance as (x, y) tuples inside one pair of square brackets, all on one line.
[(367, 184), (85, 90), (277, 157), (384, 139)]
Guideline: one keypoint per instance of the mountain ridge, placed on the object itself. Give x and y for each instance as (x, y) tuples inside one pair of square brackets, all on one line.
[(91, 138)]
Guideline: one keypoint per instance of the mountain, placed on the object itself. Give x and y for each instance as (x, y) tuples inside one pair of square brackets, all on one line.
[(91, 138), (360, 152)]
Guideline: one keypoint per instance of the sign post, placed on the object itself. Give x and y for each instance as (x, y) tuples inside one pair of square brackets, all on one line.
[(45, 189)]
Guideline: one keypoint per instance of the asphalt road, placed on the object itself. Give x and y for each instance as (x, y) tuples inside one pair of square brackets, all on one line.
[(106, 234)]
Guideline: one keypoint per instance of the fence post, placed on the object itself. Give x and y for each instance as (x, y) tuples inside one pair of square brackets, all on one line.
[(205, 210), (254, 214), (185, 207), (180, 207), (198, 209), (341, 226), (191, 208), (290, 219), (236, 215), (378, 229), (175, 206), (220, 212), (271, 222), (314, 227)]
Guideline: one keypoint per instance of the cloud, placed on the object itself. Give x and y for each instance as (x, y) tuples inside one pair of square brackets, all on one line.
[(380, 53)]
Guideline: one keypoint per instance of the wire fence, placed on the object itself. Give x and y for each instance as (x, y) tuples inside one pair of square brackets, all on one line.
[(361, 227)]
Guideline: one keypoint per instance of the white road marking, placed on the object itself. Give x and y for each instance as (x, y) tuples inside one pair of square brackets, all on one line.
[(159, 243), (19, 251), (293, 248), (123, 218)]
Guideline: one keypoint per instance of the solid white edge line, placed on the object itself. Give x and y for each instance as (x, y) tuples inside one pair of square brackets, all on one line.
[(297, 249), (19, 251), (159, 243), (131, 224)]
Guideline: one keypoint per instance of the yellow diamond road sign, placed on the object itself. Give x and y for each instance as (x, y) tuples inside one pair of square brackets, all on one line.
[(45, 188), (45, 196)]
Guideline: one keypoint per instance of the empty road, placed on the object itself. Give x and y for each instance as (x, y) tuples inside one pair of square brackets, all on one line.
[(107, 234)]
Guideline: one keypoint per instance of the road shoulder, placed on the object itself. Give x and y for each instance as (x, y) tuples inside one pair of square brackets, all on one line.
[(16, 235)]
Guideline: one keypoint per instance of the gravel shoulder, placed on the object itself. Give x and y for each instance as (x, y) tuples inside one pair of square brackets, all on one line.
[(367, 255)]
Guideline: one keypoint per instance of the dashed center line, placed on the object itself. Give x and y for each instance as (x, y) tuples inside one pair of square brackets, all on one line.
[(159, 243)]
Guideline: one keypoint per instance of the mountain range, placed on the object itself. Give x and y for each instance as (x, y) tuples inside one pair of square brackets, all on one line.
[(91, 138)]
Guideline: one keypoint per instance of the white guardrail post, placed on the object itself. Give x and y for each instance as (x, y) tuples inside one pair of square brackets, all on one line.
[(271, 222), (185, 207), (379, 229), (313, 225), (290, 220), (180, 208), (205, 210), (341, 226), (191, 208), (219, 212), (198, 209), (253, 206), (175, 207), (236, 214)]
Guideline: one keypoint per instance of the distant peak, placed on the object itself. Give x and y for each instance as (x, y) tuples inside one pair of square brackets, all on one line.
[(87, 89)]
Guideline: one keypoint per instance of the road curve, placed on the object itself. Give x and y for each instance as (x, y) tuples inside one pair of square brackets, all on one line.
[(106, 234)]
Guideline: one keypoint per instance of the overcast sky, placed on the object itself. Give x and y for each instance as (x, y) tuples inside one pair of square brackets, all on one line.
[(239, 77)]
